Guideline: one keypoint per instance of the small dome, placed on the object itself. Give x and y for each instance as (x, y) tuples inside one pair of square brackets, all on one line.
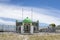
[(27, 20)]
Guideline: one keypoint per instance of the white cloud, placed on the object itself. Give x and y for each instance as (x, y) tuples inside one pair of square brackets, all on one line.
[(16, 13), (7, 22)]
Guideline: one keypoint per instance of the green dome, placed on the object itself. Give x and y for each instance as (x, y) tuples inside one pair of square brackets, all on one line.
[(27, 20)]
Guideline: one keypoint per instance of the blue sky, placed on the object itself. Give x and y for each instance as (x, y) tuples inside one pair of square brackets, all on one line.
[(35, 3), (40, 3), (55, 4), (46, 11)]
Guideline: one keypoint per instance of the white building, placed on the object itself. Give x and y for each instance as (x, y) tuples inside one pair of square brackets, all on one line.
[(27, 26)]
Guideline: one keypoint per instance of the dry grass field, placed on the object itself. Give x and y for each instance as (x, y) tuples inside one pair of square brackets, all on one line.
[(15, 36)]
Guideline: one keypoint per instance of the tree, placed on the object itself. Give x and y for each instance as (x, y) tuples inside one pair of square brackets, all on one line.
[(53, 25)]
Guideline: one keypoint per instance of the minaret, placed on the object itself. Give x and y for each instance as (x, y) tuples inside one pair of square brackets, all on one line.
[(22, 13), (31, 14)]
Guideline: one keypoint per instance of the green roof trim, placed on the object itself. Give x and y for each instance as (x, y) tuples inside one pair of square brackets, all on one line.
[(27, 20)]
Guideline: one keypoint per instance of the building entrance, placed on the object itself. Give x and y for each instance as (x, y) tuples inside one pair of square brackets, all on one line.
[(26, 28)]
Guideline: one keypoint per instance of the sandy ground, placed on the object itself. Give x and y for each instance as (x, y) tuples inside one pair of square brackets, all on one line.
[(38, 36)]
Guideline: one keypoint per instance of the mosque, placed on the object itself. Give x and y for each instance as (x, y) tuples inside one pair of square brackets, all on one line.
[(27, 26)]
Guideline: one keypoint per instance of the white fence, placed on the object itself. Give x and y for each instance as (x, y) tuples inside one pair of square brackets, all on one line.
[(8, 28)]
